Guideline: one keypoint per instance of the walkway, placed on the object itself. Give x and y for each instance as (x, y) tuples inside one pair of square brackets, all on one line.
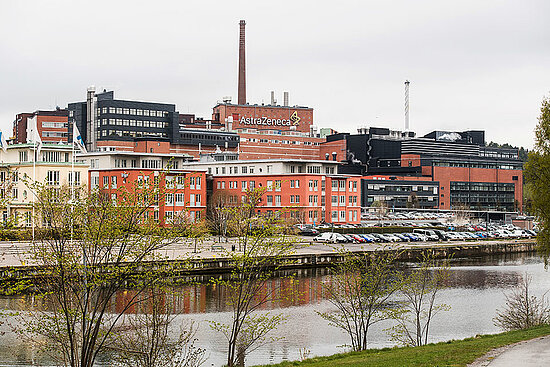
[(529, 353)]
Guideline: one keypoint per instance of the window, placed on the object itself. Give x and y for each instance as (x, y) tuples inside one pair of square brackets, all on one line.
[(23, 156), (169, 199), (277, 185), (297, 199), (342, 215), (334, 215), (278, 200), (113, 182), (192, 200), (334, 200), (269, 185), (269, 200), (198, 199), (105, 181), (76, 178), (52, 178), (243, 185), (252, 185), (14, 193), (342, 199), (49, 156), (244, 169), (180, 199), (198, 183), (342, 185)]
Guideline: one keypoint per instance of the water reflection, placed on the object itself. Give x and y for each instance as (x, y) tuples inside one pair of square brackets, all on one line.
[(476, 290)]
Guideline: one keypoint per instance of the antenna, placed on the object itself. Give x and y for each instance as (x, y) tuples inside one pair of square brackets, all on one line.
[(407, 105)]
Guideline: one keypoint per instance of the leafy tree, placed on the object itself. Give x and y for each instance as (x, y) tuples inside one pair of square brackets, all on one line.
[(537, 176), (418, 301), (249, 287), (523, 310), (94, 246), (360, 288)]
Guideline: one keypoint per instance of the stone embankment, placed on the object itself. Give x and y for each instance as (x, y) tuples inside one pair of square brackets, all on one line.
[(212, 257)]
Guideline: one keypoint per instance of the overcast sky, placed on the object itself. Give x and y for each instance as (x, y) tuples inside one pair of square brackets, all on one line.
[(472, 64)]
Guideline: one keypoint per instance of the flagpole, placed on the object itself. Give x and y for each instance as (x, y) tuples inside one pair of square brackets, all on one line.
[(72, 185), (33, 191)]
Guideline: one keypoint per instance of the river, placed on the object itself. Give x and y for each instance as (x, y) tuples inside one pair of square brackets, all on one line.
[(477, 289)]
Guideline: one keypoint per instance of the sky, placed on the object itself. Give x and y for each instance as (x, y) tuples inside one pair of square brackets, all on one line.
[(472, 64)]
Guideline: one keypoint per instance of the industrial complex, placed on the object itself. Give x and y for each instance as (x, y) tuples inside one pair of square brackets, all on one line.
[(311, 175)]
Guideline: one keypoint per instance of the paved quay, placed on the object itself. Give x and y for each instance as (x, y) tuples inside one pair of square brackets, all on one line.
[(17, 253), (529, 353)]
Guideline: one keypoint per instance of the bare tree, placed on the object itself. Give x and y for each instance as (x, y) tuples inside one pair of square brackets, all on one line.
[(147, 339), (418, 301), (360, 288), (523, 309), (249, 286)]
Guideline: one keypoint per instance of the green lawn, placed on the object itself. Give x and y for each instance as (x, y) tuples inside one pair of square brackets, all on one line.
[(452, 353)]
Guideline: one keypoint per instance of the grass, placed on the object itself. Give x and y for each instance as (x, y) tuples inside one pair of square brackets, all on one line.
[(451, 353)]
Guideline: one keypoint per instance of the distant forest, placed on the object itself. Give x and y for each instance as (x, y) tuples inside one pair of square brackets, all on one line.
[(523, 153)]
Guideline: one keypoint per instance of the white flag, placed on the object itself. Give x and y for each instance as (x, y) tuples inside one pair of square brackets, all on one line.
[(33, 135), (3, 141), (77, 139)]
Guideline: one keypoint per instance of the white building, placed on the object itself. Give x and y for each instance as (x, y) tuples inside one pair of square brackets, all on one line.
[(53, 167)]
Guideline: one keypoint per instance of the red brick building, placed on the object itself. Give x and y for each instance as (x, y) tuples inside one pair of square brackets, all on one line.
[(183, 193), (270, 131), (307, 191), (52, 126)]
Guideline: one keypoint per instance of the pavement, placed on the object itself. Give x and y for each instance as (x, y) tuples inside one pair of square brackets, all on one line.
[(18, 253), (529, 353)]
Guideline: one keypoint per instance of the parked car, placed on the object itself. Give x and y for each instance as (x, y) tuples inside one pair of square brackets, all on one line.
[(330, 237), (430, 234), (306, 231)]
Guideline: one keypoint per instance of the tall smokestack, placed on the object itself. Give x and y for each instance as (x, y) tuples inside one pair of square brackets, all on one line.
[(242, 65), (285, 99), (407, 105)]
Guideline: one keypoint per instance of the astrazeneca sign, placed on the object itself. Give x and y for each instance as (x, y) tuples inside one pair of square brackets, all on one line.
[(294, 120)]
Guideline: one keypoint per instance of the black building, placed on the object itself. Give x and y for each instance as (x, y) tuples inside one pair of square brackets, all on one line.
[(104, 118)]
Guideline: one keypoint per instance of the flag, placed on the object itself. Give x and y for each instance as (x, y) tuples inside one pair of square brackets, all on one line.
[(33, 135), (77, 139), (3, 141)]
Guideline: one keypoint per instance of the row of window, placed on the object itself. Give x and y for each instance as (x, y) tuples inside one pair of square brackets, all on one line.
[(290, 142), (131, 111), (55, 125), (404, 188), (477, 165), (352, 215), (482, 186), (273, 132), (54, 134), (136, 123), (128, 134), (52, 178)]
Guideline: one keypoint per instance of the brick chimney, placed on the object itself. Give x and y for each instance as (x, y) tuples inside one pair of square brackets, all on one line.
[(242, 65)]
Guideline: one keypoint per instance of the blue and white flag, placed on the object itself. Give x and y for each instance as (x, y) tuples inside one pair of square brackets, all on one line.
[(77, 139), (3, 141)]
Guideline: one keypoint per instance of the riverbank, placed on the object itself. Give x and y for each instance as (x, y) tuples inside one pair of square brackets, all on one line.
[(213, 257), (451, 353)]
